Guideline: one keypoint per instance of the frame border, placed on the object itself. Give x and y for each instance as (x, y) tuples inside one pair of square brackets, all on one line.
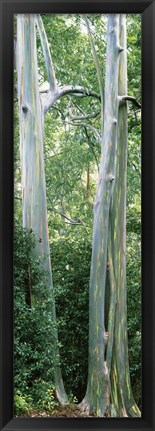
[(7, 9)]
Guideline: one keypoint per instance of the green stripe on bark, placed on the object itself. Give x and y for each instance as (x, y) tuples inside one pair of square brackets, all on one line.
[(95, 399), (125, 404)]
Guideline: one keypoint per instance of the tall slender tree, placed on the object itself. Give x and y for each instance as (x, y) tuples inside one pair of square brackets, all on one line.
[(32, 160), (33, 106), (108, 388), (119, 374)]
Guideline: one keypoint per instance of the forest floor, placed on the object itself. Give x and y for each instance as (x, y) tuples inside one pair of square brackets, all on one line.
[(68, 411)]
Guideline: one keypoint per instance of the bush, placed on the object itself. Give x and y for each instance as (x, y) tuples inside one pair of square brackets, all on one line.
[(134, 311), (71, 259), (33, 325), (21, 404), (43, 394)]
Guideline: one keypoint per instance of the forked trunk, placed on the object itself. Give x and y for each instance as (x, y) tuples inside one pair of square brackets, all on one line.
[(109, 390), (96, 395)]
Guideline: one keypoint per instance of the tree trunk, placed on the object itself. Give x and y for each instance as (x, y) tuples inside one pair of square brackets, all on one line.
[(27, 287), (32, 161), (121, 391), (96, 394), (109, 388)]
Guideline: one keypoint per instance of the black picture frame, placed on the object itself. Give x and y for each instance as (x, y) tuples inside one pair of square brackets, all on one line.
[(7, 10)]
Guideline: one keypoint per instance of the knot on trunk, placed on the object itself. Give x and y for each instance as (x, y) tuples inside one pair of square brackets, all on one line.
[(115, 121), (25, 109), (120, 48), (111, 177)]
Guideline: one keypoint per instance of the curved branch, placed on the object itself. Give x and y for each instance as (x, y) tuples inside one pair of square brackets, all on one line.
[(130, 99), (60, 112), (77, 90), (84, 117), (88, 126), (75, 222), (78, 107), (53, 96)]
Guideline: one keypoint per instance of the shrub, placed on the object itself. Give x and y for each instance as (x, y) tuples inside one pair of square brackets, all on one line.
[(33, 326)]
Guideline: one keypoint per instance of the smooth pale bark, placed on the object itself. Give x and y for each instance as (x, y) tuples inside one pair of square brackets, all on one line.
[(32, 162), (121, 391), (98, 70), (33, 107), (95, 399), (109, 390), (47, 54)]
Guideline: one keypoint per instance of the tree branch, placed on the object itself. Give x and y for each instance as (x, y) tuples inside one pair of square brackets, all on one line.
[(75, 222), (96, 134), (85, 127), (76, 118), (60, 112), (130, 99), (53, 96), (77, 90), (46, 53), (92, 148), (53, 92), (19, 199), (84, 117), (44, 87), (97, 64), (77, 106), (98, 70)]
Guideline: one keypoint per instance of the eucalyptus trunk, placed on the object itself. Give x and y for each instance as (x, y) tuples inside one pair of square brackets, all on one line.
[(121, 392), (32, 162), (109, 390), (96, 394)]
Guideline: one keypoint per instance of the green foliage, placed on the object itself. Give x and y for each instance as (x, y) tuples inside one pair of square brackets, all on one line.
[(134, 54), (33, 326), (43, 394), (42, 398), (71, 267), (133, 252), (134, 310), (21, 404)]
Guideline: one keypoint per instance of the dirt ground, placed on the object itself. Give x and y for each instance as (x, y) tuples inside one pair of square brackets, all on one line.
[(69, 411)]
